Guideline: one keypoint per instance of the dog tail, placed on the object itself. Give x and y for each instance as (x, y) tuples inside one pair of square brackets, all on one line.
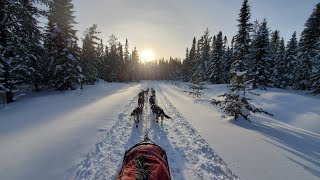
[(168, 117)]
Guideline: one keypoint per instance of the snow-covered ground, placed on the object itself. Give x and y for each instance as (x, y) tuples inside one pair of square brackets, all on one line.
[(84, 134), (269, 148)]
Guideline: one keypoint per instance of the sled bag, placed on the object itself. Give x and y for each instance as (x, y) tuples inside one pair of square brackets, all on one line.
[(145, 161)]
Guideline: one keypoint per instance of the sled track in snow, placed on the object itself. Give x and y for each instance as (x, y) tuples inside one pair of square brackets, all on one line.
[(105, 159), (201, 160)]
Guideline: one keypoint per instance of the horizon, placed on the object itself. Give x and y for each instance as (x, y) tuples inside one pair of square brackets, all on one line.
[(168, 27)]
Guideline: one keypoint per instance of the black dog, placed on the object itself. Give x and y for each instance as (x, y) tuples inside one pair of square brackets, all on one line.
[(158, 111), (137, 113), (152, 100)]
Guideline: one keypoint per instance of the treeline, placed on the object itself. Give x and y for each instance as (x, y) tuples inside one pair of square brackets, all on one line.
[(50, 57), (262, 57)]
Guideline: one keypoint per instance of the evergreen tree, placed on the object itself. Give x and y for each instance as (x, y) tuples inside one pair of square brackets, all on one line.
[(186, 66), (135, 63), (280, 80), (291, 54), (242, 40), (61, 45), (216, 64), (192, 59), (226, 60), (113, 58), (20, 49), (259, 49), (236, 103), (90, 62), (274, 55), (120, 63), (309, 52), (127, 61), (205, 53)]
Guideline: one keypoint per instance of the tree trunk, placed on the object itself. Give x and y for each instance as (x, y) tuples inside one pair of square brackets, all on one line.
[(9, 95)]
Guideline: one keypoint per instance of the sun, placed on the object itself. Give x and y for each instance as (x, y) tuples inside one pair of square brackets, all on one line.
[(147, 55)]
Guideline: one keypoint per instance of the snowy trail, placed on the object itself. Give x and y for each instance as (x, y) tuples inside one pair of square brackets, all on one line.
[(189, 156), (196, 159)]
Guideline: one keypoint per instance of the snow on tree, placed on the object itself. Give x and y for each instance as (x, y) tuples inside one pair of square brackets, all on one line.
[(260, 59), (216, 64), (274, 56), (135, 63), (309, 51), (291, 60), (242, 38), (90, 54), (61, 45), (191, 63), (186, 66), (196, 85), (280, 67), (235, 102), (20, 48), (202, 56)]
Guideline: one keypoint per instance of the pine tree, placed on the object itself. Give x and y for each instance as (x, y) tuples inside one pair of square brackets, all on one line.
[(274, 56), (309, 52), (135, 63), (259, 49), (120, 63), (291, 54), (186, 67), (216, 64), (127, 61), (61, 45), (192, 59), (242, 40), (226, 61), (90, 55), (20, 48), (205, 53), (280, 80), (236, 103)]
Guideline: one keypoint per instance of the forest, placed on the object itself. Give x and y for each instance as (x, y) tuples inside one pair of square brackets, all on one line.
[(37, 58)]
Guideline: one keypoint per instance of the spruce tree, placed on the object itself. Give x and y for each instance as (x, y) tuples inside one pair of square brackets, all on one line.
[(260, 59), (242, 39), (135, 64), (126, 61), (20, 48), (90, 55), (236, 103), (309, 52), (290, 57), (216, 65), (192, 59), (61, 45), (186, 67), (280, 80)]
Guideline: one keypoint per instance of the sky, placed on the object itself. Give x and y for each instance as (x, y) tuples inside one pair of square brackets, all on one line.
[(167, 27)]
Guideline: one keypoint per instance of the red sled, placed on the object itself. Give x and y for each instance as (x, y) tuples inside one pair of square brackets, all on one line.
[(145, 161)]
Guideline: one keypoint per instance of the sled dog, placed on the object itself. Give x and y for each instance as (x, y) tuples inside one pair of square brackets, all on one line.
[(158, 112), (137, 113), (141, 101), (152, 100)]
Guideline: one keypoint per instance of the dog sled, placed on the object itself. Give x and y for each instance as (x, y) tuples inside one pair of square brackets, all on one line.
[(145, 161)]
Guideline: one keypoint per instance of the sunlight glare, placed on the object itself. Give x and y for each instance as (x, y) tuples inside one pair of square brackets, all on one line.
[(147, 55)]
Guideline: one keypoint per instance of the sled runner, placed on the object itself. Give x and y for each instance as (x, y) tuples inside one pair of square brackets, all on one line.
[(145, 161)]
